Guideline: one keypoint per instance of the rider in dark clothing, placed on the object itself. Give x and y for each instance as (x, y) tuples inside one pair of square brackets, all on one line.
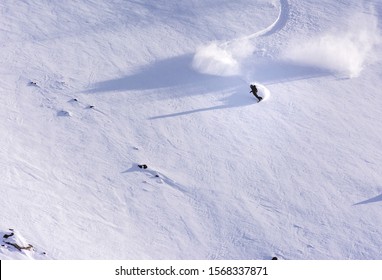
[(254, 91)]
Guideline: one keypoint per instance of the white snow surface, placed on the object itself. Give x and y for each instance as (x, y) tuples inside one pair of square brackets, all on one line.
[(297, 176)]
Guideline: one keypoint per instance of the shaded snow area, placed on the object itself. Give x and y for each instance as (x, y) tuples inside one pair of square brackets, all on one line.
[(128, 130)]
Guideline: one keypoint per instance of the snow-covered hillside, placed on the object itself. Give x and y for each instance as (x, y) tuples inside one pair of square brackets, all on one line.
[(91, 89)]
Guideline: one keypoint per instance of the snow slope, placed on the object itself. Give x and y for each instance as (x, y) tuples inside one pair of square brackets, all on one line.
[(296, 176)]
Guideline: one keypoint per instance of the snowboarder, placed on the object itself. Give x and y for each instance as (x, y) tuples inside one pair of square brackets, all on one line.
[(254, 92)]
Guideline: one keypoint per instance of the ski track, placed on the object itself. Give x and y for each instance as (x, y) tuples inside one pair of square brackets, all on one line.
[(275, 27)]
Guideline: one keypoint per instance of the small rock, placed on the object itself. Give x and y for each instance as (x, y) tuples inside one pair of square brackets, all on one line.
[(8, 235), (18, 247), (142, 166)]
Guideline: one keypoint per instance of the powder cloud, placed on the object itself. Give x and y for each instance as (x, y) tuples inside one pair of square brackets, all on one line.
[(222, 60), (343, 52)]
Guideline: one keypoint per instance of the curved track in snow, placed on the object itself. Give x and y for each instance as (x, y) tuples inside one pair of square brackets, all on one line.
[(275, 27)]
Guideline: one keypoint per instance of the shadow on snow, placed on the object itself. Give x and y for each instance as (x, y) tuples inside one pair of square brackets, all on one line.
[(177, 73), (239, 98), (167, 73), (378, 198)]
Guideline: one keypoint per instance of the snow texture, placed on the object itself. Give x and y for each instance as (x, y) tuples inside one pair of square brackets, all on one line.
[(92, 89)]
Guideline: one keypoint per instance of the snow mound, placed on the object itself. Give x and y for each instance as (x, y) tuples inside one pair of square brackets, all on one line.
[(63, 113)]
